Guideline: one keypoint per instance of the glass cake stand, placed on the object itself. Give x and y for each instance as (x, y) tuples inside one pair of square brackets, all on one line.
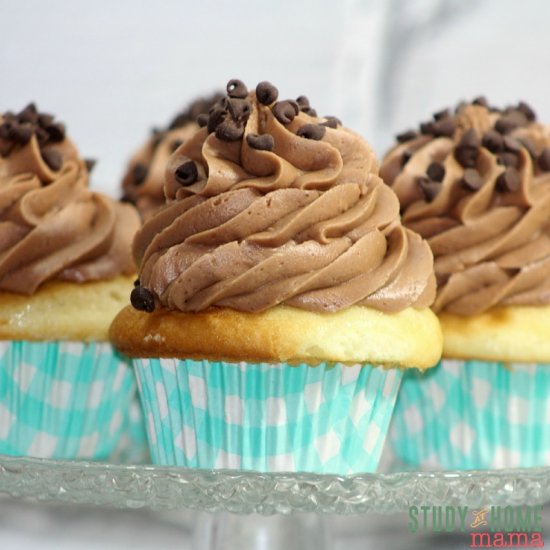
[(267, 511)]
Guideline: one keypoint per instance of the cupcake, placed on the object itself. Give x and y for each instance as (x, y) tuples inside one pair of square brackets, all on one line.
[(65, 270), (476, 185), (279, 297), (143, 182)]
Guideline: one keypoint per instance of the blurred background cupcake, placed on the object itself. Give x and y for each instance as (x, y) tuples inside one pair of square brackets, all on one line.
[(143, 182), (475, 182), (65, 270), (279, 297)]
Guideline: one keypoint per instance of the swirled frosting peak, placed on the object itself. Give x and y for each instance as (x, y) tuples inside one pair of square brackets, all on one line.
[(143, 182), (269, 204), (476, 184), (51, 225)]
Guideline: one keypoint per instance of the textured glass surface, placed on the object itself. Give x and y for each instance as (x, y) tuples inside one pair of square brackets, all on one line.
[(248, 492)]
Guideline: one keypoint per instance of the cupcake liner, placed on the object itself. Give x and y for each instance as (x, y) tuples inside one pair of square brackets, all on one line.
[(266, 417), (473, 415), (63, 400)]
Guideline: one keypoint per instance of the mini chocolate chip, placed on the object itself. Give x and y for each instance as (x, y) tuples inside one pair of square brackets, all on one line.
[(471, 179), (509, 180), (229, 131), (309, 111), (427, 128), (266, 93), (428, 187), (175, 144), (239, 109), (236, 88), (460, 107), (529, 145), (467, 151), (264, 142), (444, 127), (444, 113), (436, 171), (136, 282), (284, 112), (56, 132), (303, 102), (481, 101), (311, 131), (22, 133), (543, 160), (52, 158), (139, 173), (187, 173), (215, 118), (142, 299), (28, 114), (527, 111), (202, 120), (406, 136), (41, 135), (406, 157), (505, 125), (90, 163), (44, 119), (5, 130), (508, 159), (332, 122), (126, 199), (493, 141)]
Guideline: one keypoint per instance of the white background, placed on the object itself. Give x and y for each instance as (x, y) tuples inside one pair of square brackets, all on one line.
[(113, 70)]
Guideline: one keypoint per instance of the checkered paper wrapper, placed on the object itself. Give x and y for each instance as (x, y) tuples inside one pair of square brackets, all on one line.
[(63, 400), (473, 415), (266, 417)]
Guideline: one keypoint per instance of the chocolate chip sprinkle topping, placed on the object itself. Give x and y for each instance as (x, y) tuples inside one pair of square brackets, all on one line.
[(285, 111), (428, 187), (493, 141), (436, 171), (311, 131), (202, 120), (229, 131), (303, 102), (53, 158), (472, 179), (543, 160), (264, 142), (481, 101), (139, 173), (90, 164), (175, 144), (406, 157), (467, 151), (444, 113), (505, 125), (406, 136), (142, 299), (527, 111), (529, 145), (332, 122), (444, 127), (266, 93), (509, 180), (237, 89), (508, 159), (239, 109), (187, 173)]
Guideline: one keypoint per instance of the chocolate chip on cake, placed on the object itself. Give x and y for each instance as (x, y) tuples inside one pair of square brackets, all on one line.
[(53, 159), (264, 142), (527, 111), (142, 299), (481, 101), (187, 173), (311, 131), (436, 171), (331, 122), (202, 120), (543, 160), (236, 88), (90, 164), (467, 151), (238, 109), (444, 113), (406, 157), (406, 136), (266, 93), (508, 159), (285, 111), (139, 173), (471, 179), (493, 141), (429, 188), (509, 180), (444, 127), (229, 131)]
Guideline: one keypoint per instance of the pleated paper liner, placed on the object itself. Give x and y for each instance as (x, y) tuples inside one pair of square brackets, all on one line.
[(266, 417), (65, 400), (473, 415)]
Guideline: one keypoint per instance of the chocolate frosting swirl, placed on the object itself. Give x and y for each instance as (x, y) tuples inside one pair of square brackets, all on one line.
[(480, 194), (143, 182), (51, 225), (260, 214)]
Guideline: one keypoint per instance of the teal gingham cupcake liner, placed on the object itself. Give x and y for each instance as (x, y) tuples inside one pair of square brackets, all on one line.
[(473, 415), (266, 417), (63, 400)]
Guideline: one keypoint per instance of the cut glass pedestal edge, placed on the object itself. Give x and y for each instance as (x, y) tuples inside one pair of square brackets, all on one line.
[(156, 487)]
